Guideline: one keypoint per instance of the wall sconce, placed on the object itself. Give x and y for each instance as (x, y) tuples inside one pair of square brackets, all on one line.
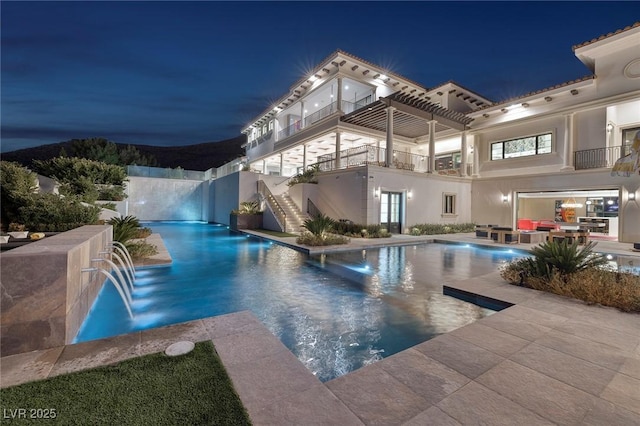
[(409, 195), (609, 127), (376, 192), (632, 195), (505, 198)]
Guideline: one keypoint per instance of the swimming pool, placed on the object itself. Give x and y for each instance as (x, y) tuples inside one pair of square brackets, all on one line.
[(336, 313)]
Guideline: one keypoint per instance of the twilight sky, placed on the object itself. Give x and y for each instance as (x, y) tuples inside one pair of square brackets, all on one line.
[(181, 73)]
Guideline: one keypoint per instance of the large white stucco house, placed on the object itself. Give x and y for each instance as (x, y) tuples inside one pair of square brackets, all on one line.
[(391, 151)]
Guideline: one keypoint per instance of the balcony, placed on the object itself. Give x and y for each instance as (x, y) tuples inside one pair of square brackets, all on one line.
[(597, 158), (367, 154), (322, 113)]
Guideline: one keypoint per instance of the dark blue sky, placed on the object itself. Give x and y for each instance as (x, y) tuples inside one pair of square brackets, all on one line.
[(180, 73)]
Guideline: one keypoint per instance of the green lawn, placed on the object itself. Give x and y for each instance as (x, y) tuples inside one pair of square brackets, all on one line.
[(191, 389)]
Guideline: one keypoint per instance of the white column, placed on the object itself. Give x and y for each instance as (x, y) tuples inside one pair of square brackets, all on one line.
[(304, 157), (339, 100), (281, 164), (389, 156), (432, 146), (567, 163), (463, 152), (378, 151), (476, 156), (264, 167), (302, 114), (338, 150)]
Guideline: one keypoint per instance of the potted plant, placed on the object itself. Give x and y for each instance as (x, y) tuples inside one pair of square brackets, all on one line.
[(18, 230), (248, 216)]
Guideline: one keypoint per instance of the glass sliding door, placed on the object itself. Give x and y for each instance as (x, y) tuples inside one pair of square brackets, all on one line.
[(391, 211)]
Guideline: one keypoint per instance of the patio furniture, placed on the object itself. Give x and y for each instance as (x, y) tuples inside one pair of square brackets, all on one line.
[(505, 235), (572, 235), (533, 237)]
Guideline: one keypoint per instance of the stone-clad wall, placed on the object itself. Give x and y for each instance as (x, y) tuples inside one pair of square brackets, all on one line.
[(45, 296)]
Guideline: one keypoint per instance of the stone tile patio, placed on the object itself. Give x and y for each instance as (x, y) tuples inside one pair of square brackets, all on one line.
[(548, 360)]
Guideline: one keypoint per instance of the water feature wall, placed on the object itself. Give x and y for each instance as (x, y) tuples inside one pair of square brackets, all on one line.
[(45, 296), (167, 199)]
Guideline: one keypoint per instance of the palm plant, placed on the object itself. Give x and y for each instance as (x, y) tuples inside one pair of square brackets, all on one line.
[(319, 225), (124, 228), (564, 258)]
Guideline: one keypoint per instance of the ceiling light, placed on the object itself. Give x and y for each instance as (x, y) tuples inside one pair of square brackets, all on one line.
[(382, 77), (331, 96), (571, 203), (313, 78), (346, 87), (315, 105), (610, 202)]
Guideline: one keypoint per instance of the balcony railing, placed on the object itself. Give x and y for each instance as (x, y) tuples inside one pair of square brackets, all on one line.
[(348, 107), (320, 114), (325, 112), (367, 154), (596, 158)]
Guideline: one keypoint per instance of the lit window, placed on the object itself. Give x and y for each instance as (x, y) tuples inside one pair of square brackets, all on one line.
[(448, 203), (521, 147), (271, 125)]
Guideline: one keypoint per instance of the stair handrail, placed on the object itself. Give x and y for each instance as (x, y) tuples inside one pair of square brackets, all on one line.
[(278, 211)]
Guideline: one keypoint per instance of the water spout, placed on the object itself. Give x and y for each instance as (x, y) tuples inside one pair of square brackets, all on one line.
[(118, 285), (125, 253), (128, 288), (123, 266)]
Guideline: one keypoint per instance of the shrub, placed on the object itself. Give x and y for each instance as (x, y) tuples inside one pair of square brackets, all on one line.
[(563, 269), (109, 206), (439, 228), (79, 176), (308, 176), (594, 285), (52, 213), (142, 233), (17, 183), (248, 207), (309, 239), (139, 250), (111, 193)]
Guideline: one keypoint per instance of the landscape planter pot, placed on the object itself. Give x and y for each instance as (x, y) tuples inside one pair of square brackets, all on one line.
[(245, 221), (4, 239), (19, 234)]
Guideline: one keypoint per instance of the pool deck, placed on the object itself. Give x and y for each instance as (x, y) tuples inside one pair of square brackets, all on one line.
[(546, 360)]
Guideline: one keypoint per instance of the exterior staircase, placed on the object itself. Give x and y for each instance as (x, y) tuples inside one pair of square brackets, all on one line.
[(295, 217)]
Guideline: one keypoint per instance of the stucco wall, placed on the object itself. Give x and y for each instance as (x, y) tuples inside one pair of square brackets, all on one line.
[(226, 194), (165, 199), (349, 194)]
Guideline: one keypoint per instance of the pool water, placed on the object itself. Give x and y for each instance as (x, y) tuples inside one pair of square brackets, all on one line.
[(335, 312)]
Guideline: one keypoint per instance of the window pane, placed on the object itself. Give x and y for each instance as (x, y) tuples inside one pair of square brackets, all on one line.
[(544, 144), (496, 151), (520, 147)]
